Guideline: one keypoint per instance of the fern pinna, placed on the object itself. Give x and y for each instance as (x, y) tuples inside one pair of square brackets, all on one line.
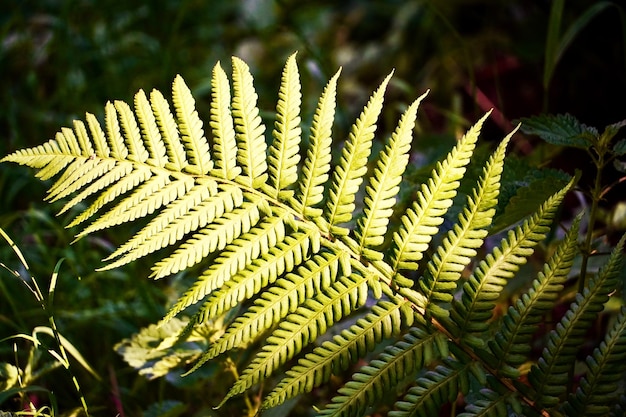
[(285, 255)]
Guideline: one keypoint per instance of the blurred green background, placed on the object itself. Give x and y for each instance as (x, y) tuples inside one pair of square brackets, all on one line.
[(60, 59)]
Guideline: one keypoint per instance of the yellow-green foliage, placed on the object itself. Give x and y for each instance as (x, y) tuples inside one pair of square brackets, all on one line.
[(285, 243)]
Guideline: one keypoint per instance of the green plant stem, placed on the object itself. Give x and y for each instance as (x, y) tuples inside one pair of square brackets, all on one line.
[(232, 368), (596, 195)]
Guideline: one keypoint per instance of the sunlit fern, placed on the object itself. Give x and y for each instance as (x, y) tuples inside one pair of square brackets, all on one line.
[(286, 241)]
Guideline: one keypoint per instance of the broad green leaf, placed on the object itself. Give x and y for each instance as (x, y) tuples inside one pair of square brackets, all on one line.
[(562, 130)]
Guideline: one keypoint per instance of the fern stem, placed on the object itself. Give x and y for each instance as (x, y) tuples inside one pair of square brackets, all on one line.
[(596, 196), (232, 368)]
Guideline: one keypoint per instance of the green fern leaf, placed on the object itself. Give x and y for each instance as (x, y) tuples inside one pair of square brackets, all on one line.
[(280, 259), (348, 174), (99, 138), (43, 157), (114, 135), (422, 220), (177, 159), (549, 376), (134, 143), (381, 375), (384, 186), (282, 298), (226, 224), (152, 352), (599, 388), (302, 327), (119, 182), (317, 162), (512, 344), (83, 138), (150, 131), (316, 367), (191, 131), (159, 191), (283, 154), (222, 126), (234, 258), (186, 214), (78, 175), (491, 404), (251, 150), (284, 256), (483, 287), (467, 235), (435, 388)]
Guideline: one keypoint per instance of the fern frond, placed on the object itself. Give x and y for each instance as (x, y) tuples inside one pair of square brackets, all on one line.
[(222, 125), (302, 327), (422, 220), (283, 156), (82, 137), (225, 224), (317, 162), (284, 256), (277, 301), (150, 131), (512, 344), (98, 137), (155, 193), (234, 258), (136, 150), (491, 404), (472, 312), (348, 174), (189, 213), (549, 376), (384, 186), (190, 127), (114, 135), (383, 374), (119, 182), (598, 390), (316, 367), (80, 174), (437, 387), (177, 159), (466, 236), (280, 259), (66, 150), (43, 158), (251, 150)]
